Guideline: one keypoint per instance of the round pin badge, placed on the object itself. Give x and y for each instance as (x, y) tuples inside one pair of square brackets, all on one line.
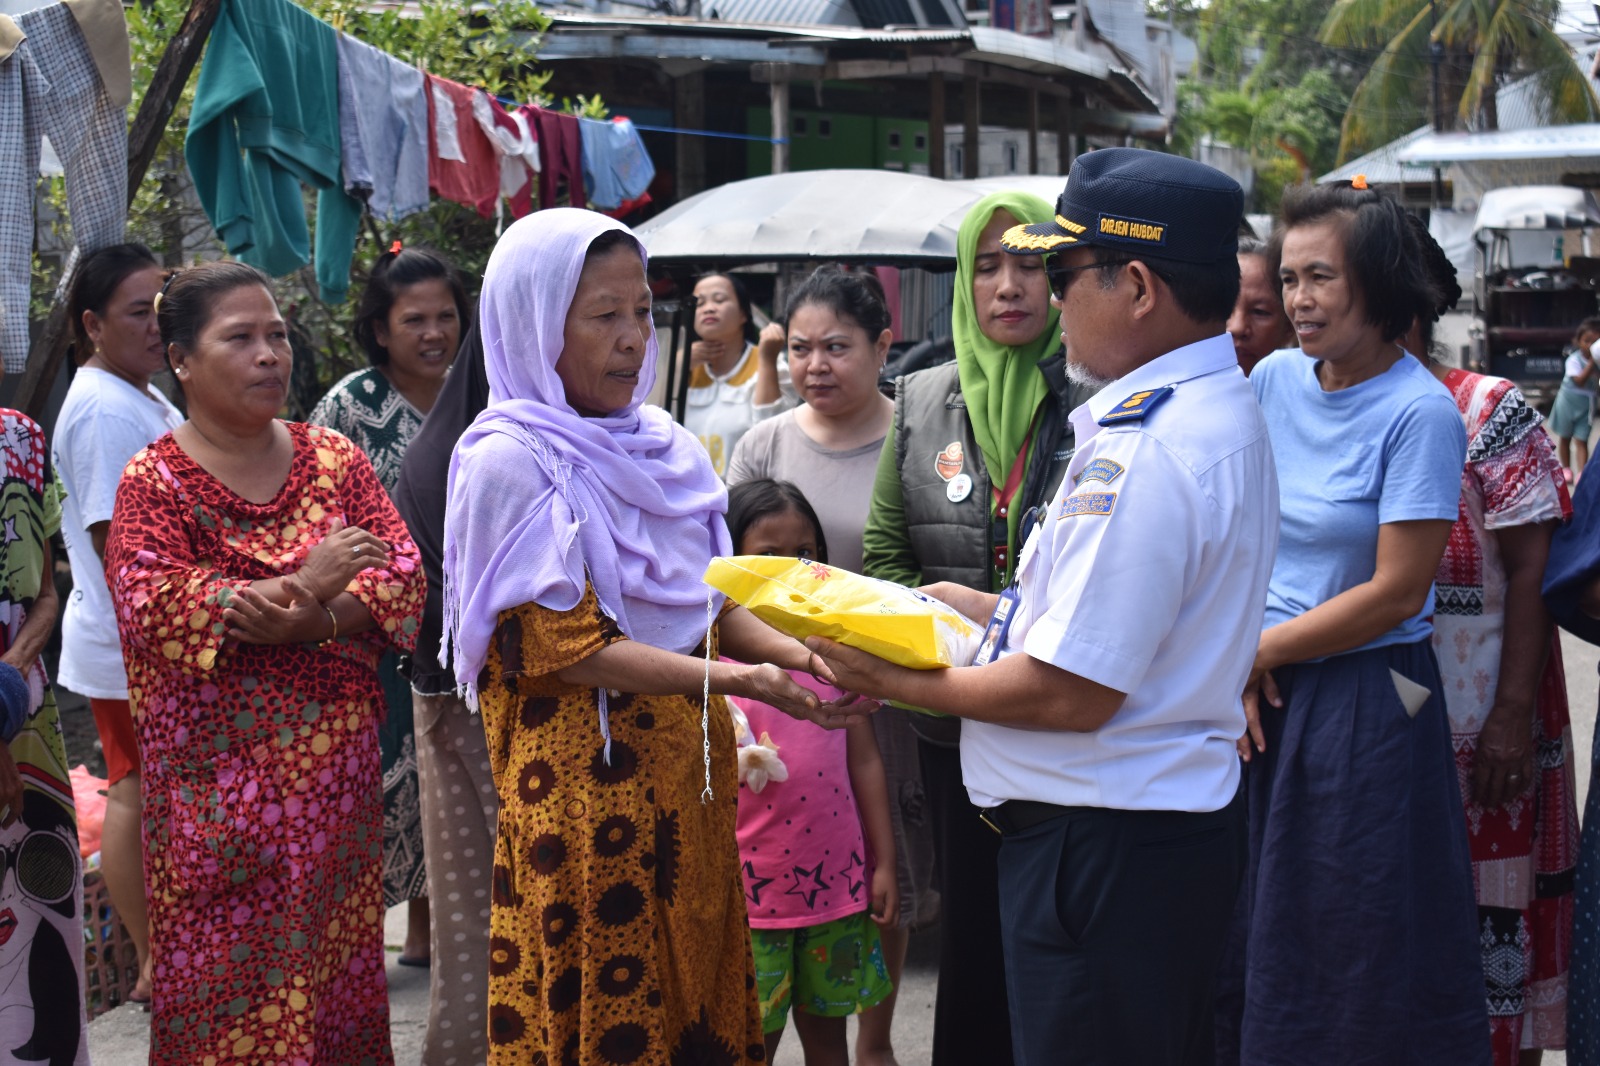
[(960, 488)]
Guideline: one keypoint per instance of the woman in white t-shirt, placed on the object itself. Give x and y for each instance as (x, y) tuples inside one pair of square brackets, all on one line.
[(110, 414), (737, 376)]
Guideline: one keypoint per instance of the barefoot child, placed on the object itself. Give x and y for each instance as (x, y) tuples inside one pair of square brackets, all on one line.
[(1569, 415), (814, 832)]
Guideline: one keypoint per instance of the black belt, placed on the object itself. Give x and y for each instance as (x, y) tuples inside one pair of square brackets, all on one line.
[(1018, 816)]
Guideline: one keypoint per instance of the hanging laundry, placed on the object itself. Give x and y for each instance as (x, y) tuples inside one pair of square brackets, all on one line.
[(51, 85), (512, 137), (265, 119), (462, 165), (561, 151), (383, 119), (616, 165)]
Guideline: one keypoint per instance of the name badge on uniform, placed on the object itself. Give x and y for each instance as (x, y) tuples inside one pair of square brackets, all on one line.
[(960, 488), (994, 634)]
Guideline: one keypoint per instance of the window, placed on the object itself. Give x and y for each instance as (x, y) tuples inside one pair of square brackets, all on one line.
[(894, 140), (799, 123), (920, 142), (824, 127), (957, 158), (1011, 157)]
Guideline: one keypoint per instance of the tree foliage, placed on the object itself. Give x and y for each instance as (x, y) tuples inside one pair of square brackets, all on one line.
[(1265, 85), (1481, 45)]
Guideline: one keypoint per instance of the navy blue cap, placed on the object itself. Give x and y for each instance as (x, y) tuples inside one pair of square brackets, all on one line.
[(1140, 201)]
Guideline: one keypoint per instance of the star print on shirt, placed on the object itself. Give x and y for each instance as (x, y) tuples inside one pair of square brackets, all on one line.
[(11, 531), (855, 875), (804, 888), (756, 884)]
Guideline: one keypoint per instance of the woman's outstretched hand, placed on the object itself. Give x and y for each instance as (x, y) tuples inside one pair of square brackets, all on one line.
[(772, 685), (335, 560)]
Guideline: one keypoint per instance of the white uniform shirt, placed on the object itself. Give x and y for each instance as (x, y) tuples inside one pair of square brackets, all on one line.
[(104, 422), (722, 410), (1147, 575)]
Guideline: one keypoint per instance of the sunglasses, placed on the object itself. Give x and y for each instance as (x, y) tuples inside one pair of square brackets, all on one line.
[(43, 863), (1061, 276)]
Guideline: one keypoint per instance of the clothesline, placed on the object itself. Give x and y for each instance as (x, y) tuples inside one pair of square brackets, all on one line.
[(714, 133), (375, 136), (507, 102)]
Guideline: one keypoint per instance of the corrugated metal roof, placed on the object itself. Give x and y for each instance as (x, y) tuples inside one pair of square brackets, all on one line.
[(1121, 23), (1382, 166), (791, 12)]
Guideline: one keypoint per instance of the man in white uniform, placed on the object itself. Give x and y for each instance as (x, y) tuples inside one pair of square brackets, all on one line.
[(1101, 740)]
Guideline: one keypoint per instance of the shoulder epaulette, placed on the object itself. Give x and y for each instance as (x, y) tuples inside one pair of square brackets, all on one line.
[(1135, 407)]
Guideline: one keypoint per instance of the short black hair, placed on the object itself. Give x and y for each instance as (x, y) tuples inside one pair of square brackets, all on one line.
[(1441, 273), (740, 293), (96, 281), (394, 271), (858, 297), (751, 501), (185, 305), (1204, 292), (1381, 251)]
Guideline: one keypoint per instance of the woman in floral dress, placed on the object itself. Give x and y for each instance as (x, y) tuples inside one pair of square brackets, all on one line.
[(579, 524), (1506, 693), (258, 571)]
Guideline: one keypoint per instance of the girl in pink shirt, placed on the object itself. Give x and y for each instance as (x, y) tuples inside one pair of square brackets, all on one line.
[(815, 838)]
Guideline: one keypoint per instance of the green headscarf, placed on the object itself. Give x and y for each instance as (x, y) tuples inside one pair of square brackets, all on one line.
[(1002, 385)]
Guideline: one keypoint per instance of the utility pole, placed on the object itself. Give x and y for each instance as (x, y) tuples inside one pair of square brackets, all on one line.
[(1435, 55)]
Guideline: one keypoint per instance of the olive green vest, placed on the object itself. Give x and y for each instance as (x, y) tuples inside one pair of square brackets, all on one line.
[(953, 540)]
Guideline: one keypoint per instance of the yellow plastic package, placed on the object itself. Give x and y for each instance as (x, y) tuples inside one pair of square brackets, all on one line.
[(806, 599)]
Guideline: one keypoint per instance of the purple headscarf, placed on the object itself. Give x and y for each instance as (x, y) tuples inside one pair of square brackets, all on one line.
[(542, 499)]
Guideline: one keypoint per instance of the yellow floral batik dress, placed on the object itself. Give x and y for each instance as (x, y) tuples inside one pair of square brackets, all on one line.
[(619, 932)]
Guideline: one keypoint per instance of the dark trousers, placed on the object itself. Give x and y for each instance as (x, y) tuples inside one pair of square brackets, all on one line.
[(1113, 923), (971, 1023)]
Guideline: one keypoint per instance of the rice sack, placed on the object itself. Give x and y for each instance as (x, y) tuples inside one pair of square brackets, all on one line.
[(805, 599)]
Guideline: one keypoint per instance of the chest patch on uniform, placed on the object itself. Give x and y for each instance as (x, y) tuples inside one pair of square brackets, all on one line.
[(1104, 471), (1087, 503), (1135, 407), (948, 463)]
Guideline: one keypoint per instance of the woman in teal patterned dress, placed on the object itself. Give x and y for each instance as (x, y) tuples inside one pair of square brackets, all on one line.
[(409, 322)]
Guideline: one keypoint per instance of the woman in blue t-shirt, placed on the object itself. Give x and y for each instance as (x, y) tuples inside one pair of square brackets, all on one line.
[(1356, 939)]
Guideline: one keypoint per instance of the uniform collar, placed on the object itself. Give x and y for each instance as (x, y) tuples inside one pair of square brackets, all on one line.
[(1179, 365)]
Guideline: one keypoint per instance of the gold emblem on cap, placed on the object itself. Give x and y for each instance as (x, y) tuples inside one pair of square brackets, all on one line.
[(1019, 238), (1069, 225)]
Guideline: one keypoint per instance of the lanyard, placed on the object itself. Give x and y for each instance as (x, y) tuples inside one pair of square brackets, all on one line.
[(1001, 533)]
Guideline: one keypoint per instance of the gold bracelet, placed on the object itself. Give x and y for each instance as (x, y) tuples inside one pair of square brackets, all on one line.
[(334, 619)]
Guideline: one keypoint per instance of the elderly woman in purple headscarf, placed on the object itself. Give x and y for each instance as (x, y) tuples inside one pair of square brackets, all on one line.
[(578, 527)]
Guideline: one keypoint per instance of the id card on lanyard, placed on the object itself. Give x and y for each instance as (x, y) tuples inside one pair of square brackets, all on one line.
[(1005, 610)]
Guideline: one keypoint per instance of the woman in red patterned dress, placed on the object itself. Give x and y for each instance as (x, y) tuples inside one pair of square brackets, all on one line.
[(1506, 694), (258, 571)]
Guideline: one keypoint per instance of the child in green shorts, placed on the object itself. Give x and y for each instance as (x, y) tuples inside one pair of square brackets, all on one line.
[(815, 838)]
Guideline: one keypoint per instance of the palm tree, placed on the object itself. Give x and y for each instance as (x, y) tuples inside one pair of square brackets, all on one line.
[(1482, 44)]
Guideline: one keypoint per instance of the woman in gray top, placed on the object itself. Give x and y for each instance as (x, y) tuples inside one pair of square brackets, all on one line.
[(838, 340)]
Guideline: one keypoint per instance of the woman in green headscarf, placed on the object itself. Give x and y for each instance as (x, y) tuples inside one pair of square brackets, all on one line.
[(975, 444)]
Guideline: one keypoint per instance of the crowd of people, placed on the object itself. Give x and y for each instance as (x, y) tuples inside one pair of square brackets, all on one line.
[(1270, 762)]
